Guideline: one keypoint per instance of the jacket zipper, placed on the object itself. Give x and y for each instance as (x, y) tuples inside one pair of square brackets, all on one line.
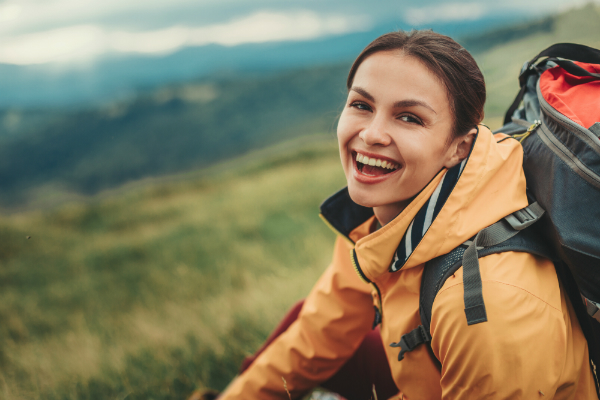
[(364, 278), (354, 261), (361, 274)]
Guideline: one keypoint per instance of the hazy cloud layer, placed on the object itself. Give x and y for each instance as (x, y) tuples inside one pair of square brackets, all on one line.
[(444, 12), (67, 31), (78, 43)]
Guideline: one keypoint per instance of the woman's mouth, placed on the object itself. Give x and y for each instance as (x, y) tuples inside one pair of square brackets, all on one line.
[(371, 166)]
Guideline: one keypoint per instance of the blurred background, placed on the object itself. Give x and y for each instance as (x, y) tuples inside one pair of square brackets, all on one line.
[(161, 167)]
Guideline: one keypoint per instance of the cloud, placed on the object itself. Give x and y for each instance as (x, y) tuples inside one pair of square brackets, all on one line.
[(444, 12), (33, 15), (67, 31), (74, 42), (259, 27), (85, 42), (9, 12)]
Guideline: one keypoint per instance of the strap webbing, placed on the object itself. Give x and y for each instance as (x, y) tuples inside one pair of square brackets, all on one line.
[(490, 236), (570, 51), (575, 69)]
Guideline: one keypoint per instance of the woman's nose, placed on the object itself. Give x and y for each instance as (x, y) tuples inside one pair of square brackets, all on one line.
[(375, 133)]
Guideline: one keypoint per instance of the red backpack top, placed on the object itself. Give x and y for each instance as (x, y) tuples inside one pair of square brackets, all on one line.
[(575, 97)]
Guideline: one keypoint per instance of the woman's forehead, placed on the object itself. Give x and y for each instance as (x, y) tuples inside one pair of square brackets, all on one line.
[(392, 76)]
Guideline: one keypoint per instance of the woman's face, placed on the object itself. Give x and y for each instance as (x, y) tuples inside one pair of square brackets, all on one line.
[(398, 115)]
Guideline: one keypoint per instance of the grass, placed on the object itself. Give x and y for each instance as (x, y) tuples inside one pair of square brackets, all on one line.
[(161, 289)]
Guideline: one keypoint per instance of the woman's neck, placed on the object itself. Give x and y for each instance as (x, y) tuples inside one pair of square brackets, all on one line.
[(388, 212)]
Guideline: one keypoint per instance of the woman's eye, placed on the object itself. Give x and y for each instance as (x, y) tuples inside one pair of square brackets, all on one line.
[(360, 106), (410, 119)]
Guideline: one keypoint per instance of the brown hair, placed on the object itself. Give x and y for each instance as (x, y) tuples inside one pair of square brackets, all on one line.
[(446, 59)]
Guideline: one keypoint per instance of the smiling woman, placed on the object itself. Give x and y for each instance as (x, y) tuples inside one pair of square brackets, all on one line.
[(423, 178), (397, 112)]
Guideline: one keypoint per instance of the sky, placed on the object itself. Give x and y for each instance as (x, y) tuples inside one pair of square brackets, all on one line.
[(72, 32)]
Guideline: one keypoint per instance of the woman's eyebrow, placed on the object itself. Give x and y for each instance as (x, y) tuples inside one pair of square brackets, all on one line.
[(399, 104), (363, 93), (412, 103)]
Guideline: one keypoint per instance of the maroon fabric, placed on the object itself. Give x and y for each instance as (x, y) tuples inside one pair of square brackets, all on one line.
[(354, 381)]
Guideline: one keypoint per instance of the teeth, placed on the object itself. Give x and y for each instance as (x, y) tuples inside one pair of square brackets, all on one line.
[(375, 162)]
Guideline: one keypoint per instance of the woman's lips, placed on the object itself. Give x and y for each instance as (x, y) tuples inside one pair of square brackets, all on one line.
[(372, 169)]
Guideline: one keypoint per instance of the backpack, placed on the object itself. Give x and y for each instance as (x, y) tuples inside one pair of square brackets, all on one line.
[(556, 117)]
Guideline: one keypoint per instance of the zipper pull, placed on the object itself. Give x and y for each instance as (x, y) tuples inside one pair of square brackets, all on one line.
[(534, 126), (377, 319), (529, 131)]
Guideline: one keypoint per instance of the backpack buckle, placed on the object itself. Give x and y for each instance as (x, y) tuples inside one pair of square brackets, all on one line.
[(409, 341), (525, 217), (592, 308)]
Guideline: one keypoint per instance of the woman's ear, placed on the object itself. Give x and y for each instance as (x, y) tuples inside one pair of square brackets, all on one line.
[(459, 148)]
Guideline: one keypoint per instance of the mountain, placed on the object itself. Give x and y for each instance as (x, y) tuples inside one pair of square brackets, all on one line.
[(45, 153), (120, 77)]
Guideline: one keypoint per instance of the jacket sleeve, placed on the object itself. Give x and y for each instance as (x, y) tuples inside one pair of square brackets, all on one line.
[(335, 318), (528, 344)]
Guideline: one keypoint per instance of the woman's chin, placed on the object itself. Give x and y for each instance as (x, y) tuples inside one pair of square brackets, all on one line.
[(380, 201), (363, 198)]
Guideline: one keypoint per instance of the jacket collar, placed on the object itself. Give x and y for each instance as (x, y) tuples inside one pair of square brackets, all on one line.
[(344, 215), (425, 216)]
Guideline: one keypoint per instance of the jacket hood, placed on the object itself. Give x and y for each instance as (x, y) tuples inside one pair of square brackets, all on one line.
[(490, 186)]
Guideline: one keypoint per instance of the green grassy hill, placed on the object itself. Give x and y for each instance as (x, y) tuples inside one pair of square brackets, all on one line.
[(159, 290)]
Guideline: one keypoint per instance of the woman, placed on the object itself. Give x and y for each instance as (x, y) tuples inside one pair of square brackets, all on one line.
[(423, 177)]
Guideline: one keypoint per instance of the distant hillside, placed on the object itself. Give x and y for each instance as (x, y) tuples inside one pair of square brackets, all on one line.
[(173, 129), (194, 125)]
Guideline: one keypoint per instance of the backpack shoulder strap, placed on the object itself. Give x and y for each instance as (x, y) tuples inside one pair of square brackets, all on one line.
[(512, 233)]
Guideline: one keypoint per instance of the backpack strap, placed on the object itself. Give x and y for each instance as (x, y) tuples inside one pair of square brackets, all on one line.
[(491, 236), (569, 51), (511, 233)]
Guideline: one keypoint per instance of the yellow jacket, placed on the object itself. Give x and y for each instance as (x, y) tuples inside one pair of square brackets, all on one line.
[(530, 347)]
